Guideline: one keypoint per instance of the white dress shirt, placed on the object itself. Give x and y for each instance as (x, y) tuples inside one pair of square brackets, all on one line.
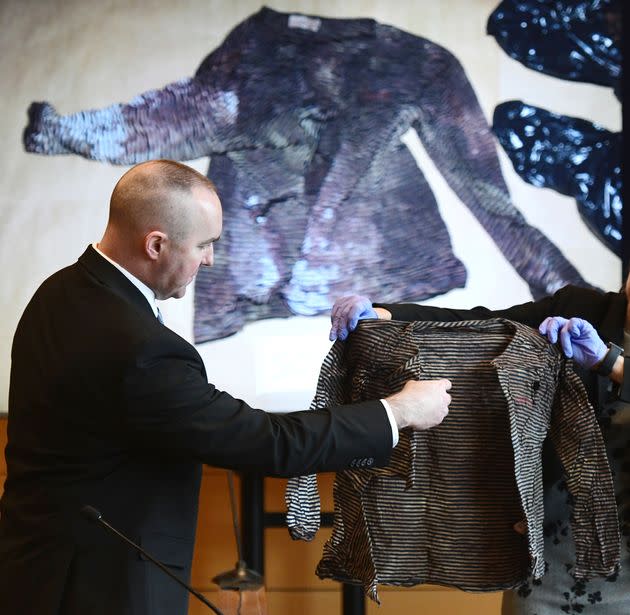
[(141, 286)]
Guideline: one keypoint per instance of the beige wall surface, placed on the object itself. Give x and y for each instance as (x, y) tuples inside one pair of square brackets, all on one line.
[(83, 54)]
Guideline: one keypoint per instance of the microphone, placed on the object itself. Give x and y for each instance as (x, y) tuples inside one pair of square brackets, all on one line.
[(95, 516)]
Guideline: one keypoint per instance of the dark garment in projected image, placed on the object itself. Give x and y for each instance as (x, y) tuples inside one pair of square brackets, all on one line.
[(579, 40), (461, 504), (570, 155), (302, 118)]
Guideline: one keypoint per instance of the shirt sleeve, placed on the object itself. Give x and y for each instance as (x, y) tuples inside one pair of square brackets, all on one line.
[(580, 447), (303, 507), (302, 496)]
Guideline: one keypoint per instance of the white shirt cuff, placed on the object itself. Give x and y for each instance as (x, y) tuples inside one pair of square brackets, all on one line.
[(392, 422)]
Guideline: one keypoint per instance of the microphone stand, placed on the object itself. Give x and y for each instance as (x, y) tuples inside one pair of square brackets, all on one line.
[(91, 514), (241, 578)]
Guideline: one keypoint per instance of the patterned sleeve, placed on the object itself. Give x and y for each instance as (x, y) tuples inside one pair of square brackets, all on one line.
[(578, 441), (301, 495), (182, 121), (302, 499)]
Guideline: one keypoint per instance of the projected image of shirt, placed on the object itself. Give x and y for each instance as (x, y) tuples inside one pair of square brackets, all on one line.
[(302, 118)]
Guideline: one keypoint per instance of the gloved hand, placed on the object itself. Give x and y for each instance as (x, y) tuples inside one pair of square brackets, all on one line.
[(346, 313), (578, 339)]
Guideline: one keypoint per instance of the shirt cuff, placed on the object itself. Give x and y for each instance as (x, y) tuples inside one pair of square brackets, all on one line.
[(392, 422)]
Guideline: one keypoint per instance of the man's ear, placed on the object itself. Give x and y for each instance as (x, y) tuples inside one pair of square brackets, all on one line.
[(154, 243)]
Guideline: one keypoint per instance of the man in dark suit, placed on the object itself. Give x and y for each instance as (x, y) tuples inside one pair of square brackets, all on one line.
[(109, 407)]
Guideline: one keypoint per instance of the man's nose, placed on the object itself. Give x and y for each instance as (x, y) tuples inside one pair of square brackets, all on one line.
[(208, 257)]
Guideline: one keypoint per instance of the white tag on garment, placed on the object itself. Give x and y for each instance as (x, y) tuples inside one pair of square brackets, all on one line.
[(305, 23)]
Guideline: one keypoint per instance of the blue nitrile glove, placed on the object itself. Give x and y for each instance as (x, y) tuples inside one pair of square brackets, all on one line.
[(346, 313), (578, 339)]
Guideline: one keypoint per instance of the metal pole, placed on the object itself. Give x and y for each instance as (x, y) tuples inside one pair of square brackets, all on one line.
[(353, 600), (252, 505)]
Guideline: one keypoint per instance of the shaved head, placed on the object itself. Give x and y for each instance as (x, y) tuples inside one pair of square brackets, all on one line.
[(153, 196), (164, 218)]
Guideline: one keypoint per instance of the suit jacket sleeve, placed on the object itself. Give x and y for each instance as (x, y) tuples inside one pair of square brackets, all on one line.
[(171, 407), (568, 301)]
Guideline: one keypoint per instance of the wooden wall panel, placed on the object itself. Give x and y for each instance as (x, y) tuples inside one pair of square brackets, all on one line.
[(215, 546), (393, 602), (291, 583), (431, 600)]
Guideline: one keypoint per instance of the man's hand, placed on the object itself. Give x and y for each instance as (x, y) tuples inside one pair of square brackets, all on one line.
[(578, 339), (346, 313), (421, 404)]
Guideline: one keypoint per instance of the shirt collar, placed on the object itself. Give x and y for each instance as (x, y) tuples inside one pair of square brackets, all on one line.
[(141, 286)]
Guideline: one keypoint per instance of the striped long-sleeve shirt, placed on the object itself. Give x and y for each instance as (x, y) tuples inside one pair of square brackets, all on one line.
[(461, 504)]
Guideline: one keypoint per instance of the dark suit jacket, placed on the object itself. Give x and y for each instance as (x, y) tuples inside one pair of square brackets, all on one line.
[(109, 407)]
